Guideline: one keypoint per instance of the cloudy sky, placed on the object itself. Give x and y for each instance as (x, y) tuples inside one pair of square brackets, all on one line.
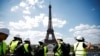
[(29, 19)]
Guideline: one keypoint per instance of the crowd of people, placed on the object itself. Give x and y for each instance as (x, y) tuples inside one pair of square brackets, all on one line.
[(18, 48)]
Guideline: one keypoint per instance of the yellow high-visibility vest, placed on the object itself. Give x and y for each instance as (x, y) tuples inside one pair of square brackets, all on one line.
[(80, 50), (59, 51), (45, 50), (26, 47), (3, 48), (13, 46)]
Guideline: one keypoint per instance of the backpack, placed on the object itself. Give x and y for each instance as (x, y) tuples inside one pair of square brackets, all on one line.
[(19, 51), (65, 49)]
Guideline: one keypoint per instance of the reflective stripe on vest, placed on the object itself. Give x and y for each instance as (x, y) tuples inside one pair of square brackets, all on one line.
[(13, 46), (80, 50), (45, 49), (26, 47), (58, 52), (3, 48)]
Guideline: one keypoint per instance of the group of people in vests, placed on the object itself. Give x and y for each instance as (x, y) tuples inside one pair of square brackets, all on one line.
[(18, 48)]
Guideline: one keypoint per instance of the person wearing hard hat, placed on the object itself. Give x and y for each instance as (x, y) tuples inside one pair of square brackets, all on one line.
[(41, 50), (61, 49), (14, 44), (4, 32), (80, 48), (27, 47)]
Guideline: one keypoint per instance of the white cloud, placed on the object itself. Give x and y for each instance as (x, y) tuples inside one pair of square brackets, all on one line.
[(27, 8), (82, 27), (41, 6), (13, 9), (22, 4), (27, 5), (20, 25), (27, 23), (24, 24), (45, 21), (32, 2), (70, 30), (1, 24), (30, 22), (58, 23), (69, 40), (89, 32), (26, 12)]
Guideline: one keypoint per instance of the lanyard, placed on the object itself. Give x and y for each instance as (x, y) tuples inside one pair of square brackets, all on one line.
[(76, 46)]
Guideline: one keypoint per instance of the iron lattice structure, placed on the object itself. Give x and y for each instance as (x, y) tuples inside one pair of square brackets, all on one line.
[(50, 31)]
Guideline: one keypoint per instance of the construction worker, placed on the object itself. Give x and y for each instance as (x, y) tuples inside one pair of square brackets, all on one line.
[(41, 50), (24, 49), (61, 49), (14, 44), (80, 48), (27, 47), (4, 32), (65, 48)]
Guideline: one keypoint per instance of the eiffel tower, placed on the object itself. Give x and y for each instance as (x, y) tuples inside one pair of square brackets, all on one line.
[(50, 37)]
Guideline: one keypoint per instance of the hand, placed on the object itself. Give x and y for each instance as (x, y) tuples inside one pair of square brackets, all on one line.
[(88, 45)]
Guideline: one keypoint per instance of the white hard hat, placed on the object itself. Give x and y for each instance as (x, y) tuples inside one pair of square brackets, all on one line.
[(18, 36), (4, 30), (41, 40), (27, 39), (79, 38)]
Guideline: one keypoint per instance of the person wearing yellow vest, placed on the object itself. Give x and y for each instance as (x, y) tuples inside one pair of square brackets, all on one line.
[(4, 32), (80, 47), (14, 44), (57, 49), (61, 49), (27, 47), (41, 50)]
